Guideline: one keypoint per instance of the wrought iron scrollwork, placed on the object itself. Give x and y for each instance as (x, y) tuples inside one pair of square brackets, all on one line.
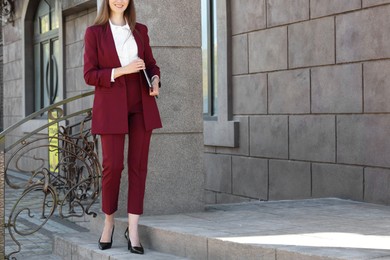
[(71, 186), (7, 10)]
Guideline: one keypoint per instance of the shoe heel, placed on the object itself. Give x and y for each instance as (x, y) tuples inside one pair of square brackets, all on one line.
[(106, 245), (135, 250)]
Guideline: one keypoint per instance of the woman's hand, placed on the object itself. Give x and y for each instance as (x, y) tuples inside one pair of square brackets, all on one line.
[(154, 90), (135, 66), (132, 67)]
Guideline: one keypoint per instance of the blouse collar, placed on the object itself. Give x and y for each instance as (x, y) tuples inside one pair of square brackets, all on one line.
[(117, 27)]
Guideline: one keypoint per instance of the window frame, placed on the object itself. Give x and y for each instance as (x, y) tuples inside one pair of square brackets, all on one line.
[(29, 11), (223, 130)]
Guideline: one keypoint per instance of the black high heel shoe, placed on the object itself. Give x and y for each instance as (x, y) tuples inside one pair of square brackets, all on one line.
[(106, 245), (136, 249)]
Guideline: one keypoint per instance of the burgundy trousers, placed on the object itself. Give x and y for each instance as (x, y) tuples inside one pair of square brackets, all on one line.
[(137, 160)]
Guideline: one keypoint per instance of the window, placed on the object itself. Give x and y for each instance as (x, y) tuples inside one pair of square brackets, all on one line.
[(209, 58), (47, 89), (219, 127)]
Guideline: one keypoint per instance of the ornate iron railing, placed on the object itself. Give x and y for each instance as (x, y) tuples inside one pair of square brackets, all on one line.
[(68, 181)]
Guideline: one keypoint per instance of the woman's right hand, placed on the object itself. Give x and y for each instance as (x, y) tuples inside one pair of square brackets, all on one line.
[(132, 67)]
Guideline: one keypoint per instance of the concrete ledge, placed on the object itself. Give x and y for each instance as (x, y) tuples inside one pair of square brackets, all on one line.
[(75, 6), (218, 133)]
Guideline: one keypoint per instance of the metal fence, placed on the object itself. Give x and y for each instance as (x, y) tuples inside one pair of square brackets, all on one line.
[(54, 166)]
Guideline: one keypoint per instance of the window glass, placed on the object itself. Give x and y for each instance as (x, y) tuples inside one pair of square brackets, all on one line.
[(209, 57), (47, 89)]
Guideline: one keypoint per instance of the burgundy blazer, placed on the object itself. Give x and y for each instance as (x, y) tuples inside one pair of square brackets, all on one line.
[(109, 111)]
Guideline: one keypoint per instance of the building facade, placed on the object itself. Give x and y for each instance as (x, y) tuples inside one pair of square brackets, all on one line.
[(304, 112), (294, 94)]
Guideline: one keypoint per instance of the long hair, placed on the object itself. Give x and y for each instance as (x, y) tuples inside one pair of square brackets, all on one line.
[(105, 11)]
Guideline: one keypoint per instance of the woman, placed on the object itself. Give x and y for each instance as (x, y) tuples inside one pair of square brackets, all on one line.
[(117, 51)]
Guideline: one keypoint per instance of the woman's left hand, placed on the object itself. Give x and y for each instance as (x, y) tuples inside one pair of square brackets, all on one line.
[(154, 91)]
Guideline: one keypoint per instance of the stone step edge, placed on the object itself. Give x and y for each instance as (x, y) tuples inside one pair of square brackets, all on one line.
[(202, 247), (84, 246)]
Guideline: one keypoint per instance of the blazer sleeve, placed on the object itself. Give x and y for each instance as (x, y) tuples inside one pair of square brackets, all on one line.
[(94, 75), (150, 62)]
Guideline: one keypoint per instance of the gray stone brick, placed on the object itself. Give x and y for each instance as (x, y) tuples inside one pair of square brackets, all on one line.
[(218, 172), (248, 15), (72, 3), (289, 180), (70, 80), (341, 181), (92, 16), (12, 52), (377, 86), (284, 12), (366, 41), (243, 147), (311, 43), (210, 149), (81, 24), (337, 89), (250, 94), (13, 106), (74, 54), (312, 138), (13, 88), (6, 53), (80, 84), (240, 54), (250, 177), (12, 32), (268, 50), (70, 32), (377, 185), (269, 136), (289, 92), (363, 140), (367, 3), (12, 70), (327, 7)]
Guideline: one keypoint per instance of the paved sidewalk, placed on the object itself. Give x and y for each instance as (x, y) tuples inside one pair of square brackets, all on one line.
[(39, 243), (303, 229)]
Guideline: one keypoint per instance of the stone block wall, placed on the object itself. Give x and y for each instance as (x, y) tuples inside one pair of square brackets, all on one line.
[(12, 69), (311, 90), (75, 25)]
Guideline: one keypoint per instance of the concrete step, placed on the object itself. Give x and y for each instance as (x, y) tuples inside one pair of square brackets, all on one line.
[(46, 257), (83, 246), (306, 229)]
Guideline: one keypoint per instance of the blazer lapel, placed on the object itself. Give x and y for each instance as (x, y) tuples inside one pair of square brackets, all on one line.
[(115, 62), (140, 43)]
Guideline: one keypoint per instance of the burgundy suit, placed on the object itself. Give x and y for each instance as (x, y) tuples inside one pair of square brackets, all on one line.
[(119, 108), (110, 104)]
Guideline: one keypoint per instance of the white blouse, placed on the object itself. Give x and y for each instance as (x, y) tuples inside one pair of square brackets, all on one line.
[(125, 45)]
